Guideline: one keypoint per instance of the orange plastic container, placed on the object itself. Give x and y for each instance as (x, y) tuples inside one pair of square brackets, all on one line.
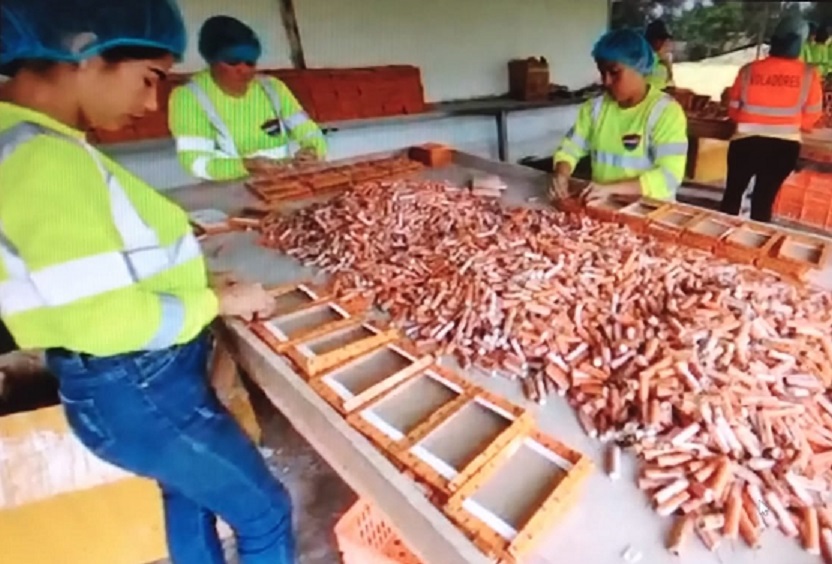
[(365, 537)]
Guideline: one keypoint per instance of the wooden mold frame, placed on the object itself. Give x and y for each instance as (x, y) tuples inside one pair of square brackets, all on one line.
[(708, 231), (432, 392), (249, 217), (448, 448), (318, 353), (607, 209), (504, 512), (637, 215), (281, 331), (796, 255), (360, 380), (669, 222), (747, 243)]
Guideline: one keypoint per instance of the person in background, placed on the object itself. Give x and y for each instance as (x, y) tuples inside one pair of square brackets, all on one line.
[(806, 49), (635, 134), (105, 274), (661, 41), (229, 113), (818, 50), (772, 100)]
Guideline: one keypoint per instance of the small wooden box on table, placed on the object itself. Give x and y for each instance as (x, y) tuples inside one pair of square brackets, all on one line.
[(314, 355), (669, 222), (796, 255), (449, 447), (637, 215), (708, 231), (747, 243), (363, 378), (519, 494)]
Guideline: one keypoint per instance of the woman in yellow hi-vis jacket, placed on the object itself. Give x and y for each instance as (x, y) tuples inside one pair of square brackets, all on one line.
[(635, 135), (104, 273), (229, 113)]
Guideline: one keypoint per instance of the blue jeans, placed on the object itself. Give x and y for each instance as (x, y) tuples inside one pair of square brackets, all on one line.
[(155, 414)]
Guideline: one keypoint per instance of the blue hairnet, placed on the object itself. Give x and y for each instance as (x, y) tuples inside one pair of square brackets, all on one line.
[(627, 47), (220, 35), (74, 30)]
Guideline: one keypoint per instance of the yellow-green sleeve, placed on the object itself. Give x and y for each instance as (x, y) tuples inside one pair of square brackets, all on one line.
[(302, 129), (71, 221), (575, 144), (670, 145), (195, 139)]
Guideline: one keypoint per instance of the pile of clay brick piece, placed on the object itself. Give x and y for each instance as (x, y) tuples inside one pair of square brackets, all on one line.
[(278, 183), (677, 333), (456, 440)]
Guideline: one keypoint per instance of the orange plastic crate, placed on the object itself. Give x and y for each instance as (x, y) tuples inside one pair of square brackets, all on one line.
[(365, 537), (806, 198)]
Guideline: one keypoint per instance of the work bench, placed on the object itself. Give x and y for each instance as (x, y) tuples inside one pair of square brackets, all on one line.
[(609, 517)]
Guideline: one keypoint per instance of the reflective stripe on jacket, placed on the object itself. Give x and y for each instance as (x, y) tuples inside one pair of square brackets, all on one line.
[(776, 97), (214, 132), (648, 142), (141, 294)]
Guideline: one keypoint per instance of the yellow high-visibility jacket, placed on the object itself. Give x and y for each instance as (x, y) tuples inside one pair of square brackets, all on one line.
[(659, 77), (648, 141), (92, 259), (214, 132)]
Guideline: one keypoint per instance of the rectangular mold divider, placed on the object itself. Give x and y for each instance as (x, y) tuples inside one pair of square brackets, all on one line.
[(795, 256), (289, 298), (606, 209), (210, 220), (319, 318), (321, 352), (449, 447), (361, 379), (668, 224), (519, 494), (392, 415), (707, 232), (747, 243), (637, 215)]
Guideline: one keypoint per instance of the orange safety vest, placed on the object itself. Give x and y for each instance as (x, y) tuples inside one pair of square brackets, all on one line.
[(776, 96)]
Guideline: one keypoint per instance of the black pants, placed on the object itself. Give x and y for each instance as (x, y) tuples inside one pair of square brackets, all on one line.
[(766, 159), (7, 343)]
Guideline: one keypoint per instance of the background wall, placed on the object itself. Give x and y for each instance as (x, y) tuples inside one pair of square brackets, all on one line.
[(462, 46), (261, 15)]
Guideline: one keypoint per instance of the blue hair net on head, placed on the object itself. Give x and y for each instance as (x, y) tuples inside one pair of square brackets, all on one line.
[(627, 47), (223, 38), (74, 30)]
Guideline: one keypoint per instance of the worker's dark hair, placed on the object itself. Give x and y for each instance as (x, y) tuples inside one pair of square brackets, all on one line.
[(220, 33), (786, 46), (822, 34), (111, 57)]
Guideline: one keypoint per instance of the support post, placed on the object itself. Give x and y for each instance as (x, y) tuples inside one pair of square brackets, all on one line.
[(290, 25)]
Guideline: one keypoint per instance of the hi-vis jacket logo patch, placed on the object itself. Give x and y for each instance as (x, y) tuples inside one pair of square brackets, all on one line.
[(631, 141)]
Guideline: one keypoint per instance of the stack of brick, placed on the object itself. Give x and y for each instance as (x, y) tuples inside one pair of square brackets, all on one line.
[(326, 94), (806, 198)]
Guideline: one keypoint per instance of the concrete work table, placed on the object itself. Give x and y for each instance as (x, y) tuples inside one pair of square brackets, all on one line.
[(608, 518)]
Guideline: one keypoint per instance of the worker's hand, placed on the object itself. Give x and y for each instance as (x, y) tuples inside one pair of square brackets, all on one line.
[(630, 190), (218, 280), (306, 155), (559, 187), (245, 300)]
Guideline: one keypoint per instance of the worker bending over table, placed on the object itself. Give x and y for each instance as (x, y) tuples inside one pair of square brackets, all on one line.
[(661, 41), (772, 101), (104, 273), (815, 50), (635, 135), (229, 113)]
